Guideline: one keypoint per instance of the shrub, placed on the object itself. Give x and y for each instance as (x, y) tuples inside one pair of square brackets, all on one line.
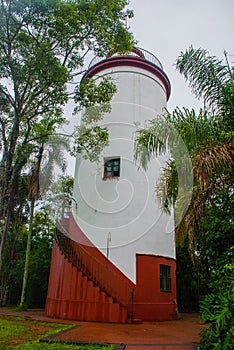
[(218, 307)]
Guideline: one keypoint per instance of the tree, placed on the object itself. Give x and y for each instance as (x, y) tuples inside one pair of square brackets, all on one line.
[(216, 230), (43, 46), (208, 138), (42, 242), (41, 247), (55, 157), (58, 199)]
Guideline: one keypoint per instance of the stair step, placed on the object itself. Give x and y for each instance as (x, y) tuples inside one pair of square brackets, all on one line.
[(86, 300), (134, 321)]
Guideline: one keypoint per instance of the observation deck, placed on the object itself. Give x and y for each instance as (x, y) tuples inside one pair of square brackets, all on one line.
[(138, 58), (137, 52)]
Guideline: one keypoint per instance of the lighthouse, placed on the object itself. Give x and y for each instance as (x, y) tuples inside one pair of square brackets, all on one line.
[(114, 258)]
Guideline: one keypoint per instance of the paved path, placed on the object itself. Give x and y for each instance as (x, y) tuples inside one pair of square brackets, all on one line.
[(182, 334)]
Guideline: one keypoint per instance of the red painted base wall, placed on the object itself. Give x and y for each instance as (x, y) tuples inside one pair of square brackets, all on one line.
[(150, 303), (72, 296)]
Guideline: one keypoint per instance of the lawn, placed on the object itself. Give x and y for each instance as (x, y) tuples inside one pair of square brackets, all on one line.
[(17, 333)]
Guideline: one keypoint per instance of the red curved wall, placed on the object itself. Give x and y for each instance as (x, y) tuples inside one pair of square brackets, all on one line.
[(151, 304)]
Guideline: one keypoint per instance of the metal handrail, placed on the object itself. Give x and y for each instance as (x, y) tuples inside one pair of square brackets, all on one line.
[(102, 276), (137, 52)]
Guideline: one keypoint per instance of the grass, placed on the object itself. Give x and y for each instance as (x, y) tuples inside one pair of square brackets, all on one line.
[(17, 333)]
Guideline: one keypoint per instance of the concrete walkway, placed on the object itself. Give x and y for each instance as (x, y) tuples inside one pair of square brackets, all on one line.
[(183, 334)]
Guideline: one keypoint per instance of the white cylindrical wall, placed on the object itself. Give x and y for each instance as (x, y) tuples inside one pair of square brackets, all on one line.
[(122, 213)]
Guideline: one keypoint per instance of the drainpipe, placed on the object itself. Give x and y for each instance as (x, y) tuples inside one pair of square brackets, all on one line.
[(108, 244)]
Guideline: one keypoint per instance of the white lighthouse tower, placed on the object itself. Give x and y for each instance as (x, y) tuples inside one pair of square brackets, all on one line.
[(118, 222)]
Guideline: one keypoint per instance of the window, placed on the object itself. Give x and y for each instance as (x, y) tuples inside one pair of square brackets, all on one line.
[(165, 278), (111, 167)]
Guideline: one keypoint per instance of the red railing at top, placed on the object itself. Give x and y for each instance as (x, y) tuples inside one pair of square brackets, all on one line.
[(101, 274), (137, 52)]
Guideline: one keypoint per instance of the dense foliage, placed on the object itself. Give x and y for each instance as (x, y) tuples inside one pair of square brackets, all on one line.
[(218, 306), (214, 240), (39, 267)]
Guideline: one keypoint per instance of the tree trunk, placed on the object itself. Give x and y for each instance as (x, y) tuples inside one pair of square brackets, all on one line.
[(3, 237), (27, 255), (4, 288)]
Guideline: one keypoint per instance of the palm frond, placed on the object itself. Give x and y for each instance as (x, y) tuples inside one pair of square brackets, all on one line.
[(196, 130), (167, 187), (56, 149), (147, 145), (189, 226), (206, 75), (153, 140), (210, 168), (211, 161)]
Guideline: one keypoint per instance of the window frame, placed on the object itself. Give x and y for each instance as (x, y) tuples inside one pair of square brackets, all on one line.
[(112, 160), (165, 278)]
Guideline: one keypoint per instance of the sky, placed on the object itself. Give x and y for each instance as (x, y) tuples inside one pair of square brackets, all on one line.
[(167, 27)]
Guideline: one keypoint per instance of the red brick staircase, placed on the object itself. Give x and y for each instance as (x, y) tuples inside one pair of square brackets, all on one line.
[(85, 285)]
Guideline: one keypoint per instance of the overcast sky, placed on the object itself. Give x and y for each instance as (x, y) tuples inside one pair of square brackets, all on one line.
[(167, 27)]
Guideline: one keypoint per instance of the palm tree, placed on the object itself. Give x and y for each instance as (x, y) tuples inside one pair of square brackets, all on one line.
[(44, 164), (207, 137)]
